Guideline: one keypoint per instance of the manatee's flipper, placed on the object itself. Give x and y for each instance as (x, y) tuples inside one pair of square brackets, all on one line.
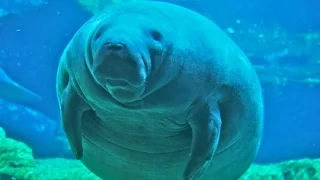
[(12, 91), (205, 122), (72, 108)]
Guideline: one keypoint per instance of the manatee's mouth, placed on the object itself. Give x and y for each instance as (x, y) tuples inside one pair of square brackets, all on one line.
[(129, 74), (122, 76), (116, 83)]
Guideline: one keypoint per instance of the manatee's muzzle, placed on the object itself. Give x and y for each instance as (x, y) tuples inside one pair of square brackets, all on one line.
[(118, 65)]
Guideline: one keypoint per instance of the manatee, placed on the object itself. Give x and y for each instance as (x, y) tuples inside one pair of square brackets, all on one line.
[(154, 91), (12, 91)]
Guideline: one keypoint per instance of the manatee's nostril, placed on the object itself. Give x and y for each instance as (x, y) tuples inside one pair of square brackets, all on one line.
[(114, 46)]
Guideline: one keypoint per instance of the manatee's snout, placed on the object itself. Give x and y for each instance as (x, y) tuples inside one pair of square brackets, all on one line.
[(114, 47), (117, 62), (110, 64)]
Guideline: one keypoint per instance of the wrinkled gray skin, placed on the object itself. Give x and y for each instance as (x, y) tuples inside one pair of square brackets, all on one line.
[(153, 91)]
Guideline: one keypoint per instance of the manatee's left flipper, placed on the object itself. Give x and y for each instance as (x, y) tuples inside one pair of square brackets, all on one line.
[(72, 108), (205, 122)]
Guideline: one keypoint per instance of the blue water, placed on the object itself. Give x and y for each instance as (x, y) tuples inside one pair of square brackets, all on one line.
[(31, 44)]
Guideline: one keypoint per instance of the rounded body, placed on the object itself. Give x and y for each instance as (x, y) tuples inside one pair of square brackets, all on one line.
[(186, 59)]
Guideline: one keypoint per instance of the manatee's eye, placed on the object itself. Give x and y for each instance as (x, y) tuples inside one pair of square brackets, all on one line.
[(156, 35), (97, 35)]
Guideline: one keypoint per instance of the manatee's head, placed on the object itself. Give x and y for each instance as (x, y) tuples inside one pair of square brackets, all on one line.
[(125, 52)]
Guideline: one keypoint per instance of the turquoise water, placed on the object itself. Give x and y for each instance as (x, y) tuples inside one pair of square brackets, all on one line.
[(281, 39)]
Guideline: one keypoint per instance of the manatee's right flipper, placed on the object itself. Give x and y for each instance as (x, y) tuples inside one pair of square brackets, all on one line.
[(72, 108)]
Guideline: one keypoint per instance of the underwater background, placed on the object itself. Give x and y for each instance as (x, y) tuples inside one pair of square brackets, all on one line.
[(281, 38)]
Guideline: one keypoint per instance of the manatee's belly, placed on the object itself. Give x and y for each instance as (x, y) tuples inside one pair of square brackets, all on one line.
[(119, 149)]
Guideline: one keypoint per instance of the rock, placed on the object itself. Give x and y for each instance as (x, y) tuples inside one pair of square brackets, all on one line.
[(16, 159)]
